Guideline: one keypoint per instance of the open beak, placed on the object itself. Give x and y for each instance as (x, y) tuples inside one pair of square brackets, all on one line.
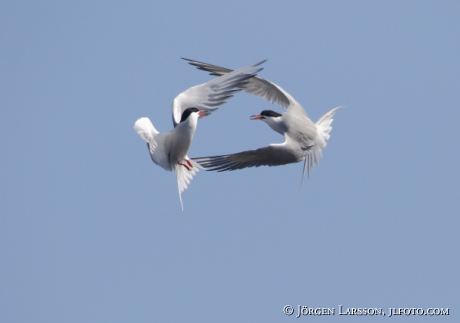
[(257, 117), (203, 113)]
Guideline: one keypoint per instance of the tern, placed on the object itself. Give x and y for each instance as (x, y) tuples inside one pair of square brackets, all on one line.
[(169, 150), (304, 139)]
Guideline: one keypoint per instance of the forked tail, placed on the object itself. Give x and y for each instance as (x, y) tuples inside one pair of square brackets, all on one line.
[(185, 175), (323, 126)]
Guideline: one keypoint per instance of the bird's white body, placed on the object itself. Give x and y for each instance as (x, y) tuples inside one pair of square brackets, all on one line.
[(304, 139), (169, 150)]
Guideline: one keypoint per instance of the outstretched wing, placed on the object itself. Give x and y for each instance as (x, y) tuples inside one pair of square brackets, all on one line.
[(272, 155), (211, 95), (256, 85)]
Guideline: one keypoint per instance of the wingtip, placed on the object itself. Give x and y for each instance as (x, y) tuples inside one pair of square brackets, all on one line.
[(303, 172), (181, 204), (200, 65), (190, 61), (261, 62), (257, 71)]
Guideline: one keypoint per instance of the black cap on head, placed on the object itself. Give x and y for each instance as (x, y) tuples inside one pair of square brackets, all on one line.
[(270, 113), (187, 113)]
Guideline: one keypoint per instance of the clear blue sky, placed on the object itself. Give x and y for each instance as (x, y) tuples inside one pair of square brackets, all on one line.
[(92, 231)]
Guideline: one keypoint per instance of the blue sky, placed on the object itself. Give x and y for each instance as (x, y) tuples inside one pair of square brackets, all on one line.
[(92, 231)]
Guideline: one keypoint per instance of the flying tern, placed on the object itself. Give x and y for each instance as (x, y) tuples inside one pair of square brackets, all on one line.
[(169, 150), (304, 139)]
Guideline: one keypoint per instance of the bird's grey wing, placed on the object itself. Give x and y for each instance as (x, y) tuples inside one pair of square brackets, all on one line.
[(211, 95), (272, 155), (256, 85)]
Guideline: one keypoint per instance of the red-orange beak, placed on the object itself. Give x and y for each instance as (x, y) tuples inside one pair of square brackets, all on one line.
[(203, 113), (257, 117)]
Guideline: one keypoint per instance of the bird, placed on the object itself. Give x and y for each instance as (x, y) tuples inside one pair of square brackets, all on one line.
[(304, 139), (169, 149)]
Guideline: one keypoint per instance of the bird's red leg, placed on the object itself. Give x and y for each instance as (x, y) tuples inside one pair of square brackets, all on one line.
[(188, 168), (189, 163)]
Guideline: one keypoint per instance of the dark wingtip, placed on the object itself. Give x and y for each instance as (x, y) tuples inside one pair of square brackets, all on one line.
[(191, 62), (257, 64), (257, 71)]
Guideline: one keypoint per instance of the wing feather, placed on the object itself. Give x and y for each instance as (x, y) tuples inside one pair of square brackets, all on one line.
[(256, 85), (147, 131), (211, 95), (272, 155)]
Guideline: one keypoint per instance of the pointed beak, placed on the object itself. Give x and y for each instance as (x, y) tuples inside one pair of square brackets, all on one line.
[(203, 113), (257, 117)]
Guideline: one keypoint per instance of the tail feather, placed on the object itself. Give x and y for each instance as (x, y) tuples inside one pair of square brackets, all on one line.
[(323, 126), (185, 176)]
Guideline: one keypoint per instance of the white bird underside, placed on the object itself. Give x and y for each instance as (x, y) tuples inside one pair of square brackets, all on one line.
[(305, 140), (169, 150)]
